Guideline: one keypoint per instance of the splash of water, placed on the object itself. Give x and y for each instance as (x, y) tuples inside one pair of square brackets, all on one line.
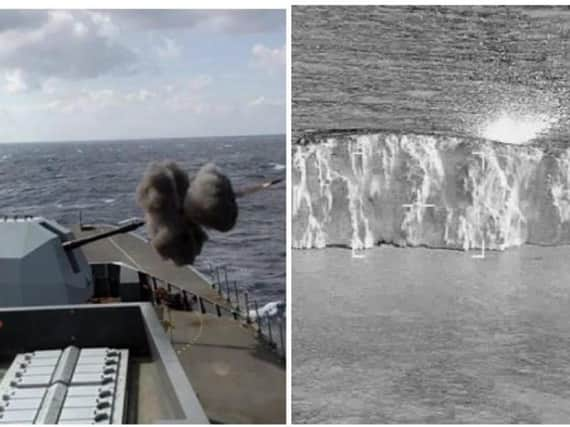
[(512, 128)]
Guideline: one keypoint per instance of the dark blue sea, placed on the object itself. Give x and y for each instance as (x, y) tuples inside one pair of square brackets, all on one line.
[(99, 178)]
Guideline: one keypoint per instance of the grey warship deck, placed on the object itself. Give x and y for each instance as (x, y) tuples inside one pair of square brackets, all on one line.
[(137, 253), (237, 378)]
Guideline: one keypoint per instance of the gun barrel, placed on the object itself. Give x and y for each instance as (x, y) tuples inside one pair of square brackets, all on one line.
[(74, 244), (257, 187)]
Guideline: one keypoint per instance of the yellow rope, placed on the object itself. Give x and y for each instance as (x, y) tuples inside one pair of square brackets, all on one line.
[(168, 324)]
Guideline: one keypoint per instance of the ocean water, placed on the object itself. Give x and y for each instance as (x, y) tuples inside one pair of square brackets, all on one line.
[(429, 70), (57, 180), (427, 335), (431, 336)]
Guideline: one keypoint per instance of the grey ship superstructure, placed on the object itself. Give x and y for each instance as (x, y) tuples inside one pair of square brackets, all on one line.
[(96, 328)]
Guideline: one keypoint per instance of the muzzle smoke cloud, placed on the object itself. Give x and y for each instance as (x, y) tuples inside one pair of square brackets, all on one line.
[(176, 208)]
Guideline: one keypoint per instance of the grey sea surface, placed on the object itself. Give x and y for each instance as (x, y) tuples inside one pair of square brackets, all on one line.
[(423, 335), (431, 336), (99, 178), (442, 70)]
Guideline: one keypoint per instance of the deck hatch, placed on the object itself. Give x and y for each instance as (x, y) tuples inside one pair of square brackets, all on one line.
[(65, 386)]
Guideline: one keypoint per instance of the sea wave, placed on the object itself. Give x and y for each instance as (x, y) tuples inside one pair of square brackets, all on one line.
[(58, 182)]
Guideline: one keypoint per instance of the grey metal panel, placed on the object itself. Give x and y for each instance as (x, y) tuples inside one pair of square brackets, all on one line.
[(91, 391), (50, 387), (19, 404), (119, 410), (12, 292), (43, 354), (184, 393), (10, 374), (35, 268), (91, 325), (24, 372), (134, 326), (15, 233), (23, 393), (66, 365), (49, 410), (91, 413), (128, 274), (17, 417), (32, 381)]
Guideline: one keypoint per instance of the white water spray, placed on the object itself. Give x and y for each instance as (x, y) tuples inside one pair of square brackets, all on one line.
[(512, 128)]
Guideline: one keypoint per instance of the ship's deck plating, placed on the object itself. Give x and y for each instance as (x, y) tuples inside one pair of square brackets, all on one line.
[(137, 253), (236, 377)]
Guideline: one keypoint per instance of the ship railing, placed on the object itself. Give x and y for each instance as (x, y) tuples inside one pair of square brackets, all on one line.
[(271, 328), (238, 305), (17, 218)]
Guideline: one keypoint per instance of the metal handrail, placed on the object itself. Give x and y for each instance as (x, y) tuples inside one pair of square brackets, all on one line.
[(188, 299)]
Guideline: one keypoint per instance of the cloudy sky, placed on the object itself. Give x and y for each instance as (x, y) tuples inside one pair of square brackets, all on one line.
[(76, 75)]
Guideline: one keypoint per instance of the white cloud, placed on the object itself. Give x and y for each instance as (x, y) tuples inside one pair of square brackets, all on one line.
[(257, 101), (80, 29), (66, 45), (101, 96), (140, 96), (84, 101), (178, 95), (262, 101), (14, 81), (81, 68), (51, 85), (267, 58), (200, 82), (79, 44), (168, 48), (105, 26), (217, 21), (189, 95), (21, 19)]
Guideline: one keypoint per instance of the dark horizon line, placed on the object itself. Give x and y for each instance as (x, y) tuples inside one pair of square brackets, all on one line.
[(142, 139)]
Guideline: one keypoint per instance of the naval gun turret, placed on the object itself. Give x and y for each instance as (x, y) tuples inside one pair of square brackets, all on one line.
[(41, 264)]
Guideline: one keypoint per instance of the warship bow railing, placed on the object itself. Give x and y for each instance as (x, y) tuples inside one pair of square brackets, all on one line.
[(239, 307)]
